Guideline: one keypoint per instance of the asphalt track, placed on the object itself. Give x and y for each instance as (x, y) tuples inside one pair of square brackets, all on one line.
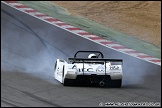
[(29, 48)]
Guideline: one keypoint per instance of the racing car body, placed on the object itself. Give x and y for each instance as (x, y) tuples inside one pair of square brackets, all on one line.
[(94, 69)]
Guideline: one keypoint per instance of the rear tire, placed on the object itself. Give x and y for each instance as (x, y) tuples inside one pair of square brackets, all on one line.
[(68, 82), (116, 83), (65, 81)]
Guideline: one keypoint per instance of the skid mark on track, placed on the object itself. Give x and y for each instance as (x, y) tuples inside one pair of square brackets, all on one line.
[(11, 102), (40, 99), (24, 25), (33, 32), (8, 103), (33, 96)]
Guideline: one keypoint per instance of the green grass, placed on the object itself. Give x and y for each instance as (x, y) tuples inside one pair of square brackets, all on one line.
[(95, 28)]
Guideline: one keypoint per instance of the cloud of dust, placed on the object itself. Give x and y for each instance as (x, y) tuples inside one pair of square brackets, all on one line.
[(21, 51), (137, 72)]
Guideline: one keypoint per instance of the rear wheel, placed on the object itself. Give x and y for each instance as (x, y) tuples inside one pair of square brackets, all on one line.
[(68, 82), (116, 83), (65, 81)]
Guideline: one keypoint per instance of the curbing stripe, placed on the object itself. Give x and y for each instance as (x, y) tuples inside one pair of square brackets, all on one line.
[(155, 60), (61, 24), (77, 31), (37, 13), (113, 44), (137, 54), (145, 56), (67, 26), (101, 40), (40, 15), (83, 33), (56, 22), (119, 47), (107, 43), (11, 1), (15, 4), (128, 49), (45, 17), (90, 36), (32, 10), (51, 19), (148, 59), (74, 28), (21, 6), (96, 38)]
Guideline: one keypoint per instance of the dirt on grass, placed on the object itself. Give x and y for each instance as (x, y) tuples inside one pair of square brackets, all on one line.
[(140, 19)]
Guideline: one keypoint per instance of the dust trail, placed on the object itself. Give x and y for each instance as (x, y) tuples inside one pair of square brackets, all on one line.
[(23, 50), (40, 64), (137, 72)]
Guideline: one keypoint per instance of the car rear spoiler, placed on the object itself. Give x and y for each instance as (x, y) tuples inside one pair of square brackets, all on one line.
[(83, 60)]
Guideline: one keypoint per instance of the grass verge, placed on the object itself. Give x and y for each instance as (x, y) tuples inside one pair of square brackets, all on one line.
[(95, 28)]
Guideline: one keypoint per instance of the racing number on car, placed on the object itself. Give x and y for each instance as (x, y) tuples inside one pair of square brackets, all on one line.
[(85, 70), (114, 67)]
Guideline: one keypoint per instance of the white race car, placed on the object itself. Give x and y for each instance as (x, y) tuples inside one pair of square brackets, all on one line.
[(93, 70)]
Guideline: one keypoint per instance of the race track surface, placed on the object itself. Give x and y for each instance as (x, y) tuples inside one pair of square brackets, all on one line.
[(29, 49)]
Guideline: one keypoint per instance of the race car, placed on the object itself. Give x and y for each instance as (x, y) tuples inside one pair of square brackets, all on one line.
[(91, 69)]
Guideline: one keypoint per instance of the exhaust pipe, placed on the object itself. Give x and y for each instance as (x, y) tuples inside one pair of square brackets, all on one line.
[(101, 83)]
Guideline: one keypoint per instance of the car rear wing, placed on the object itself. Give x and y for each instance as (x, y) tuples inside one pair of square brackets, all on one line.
[(94, 60)]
